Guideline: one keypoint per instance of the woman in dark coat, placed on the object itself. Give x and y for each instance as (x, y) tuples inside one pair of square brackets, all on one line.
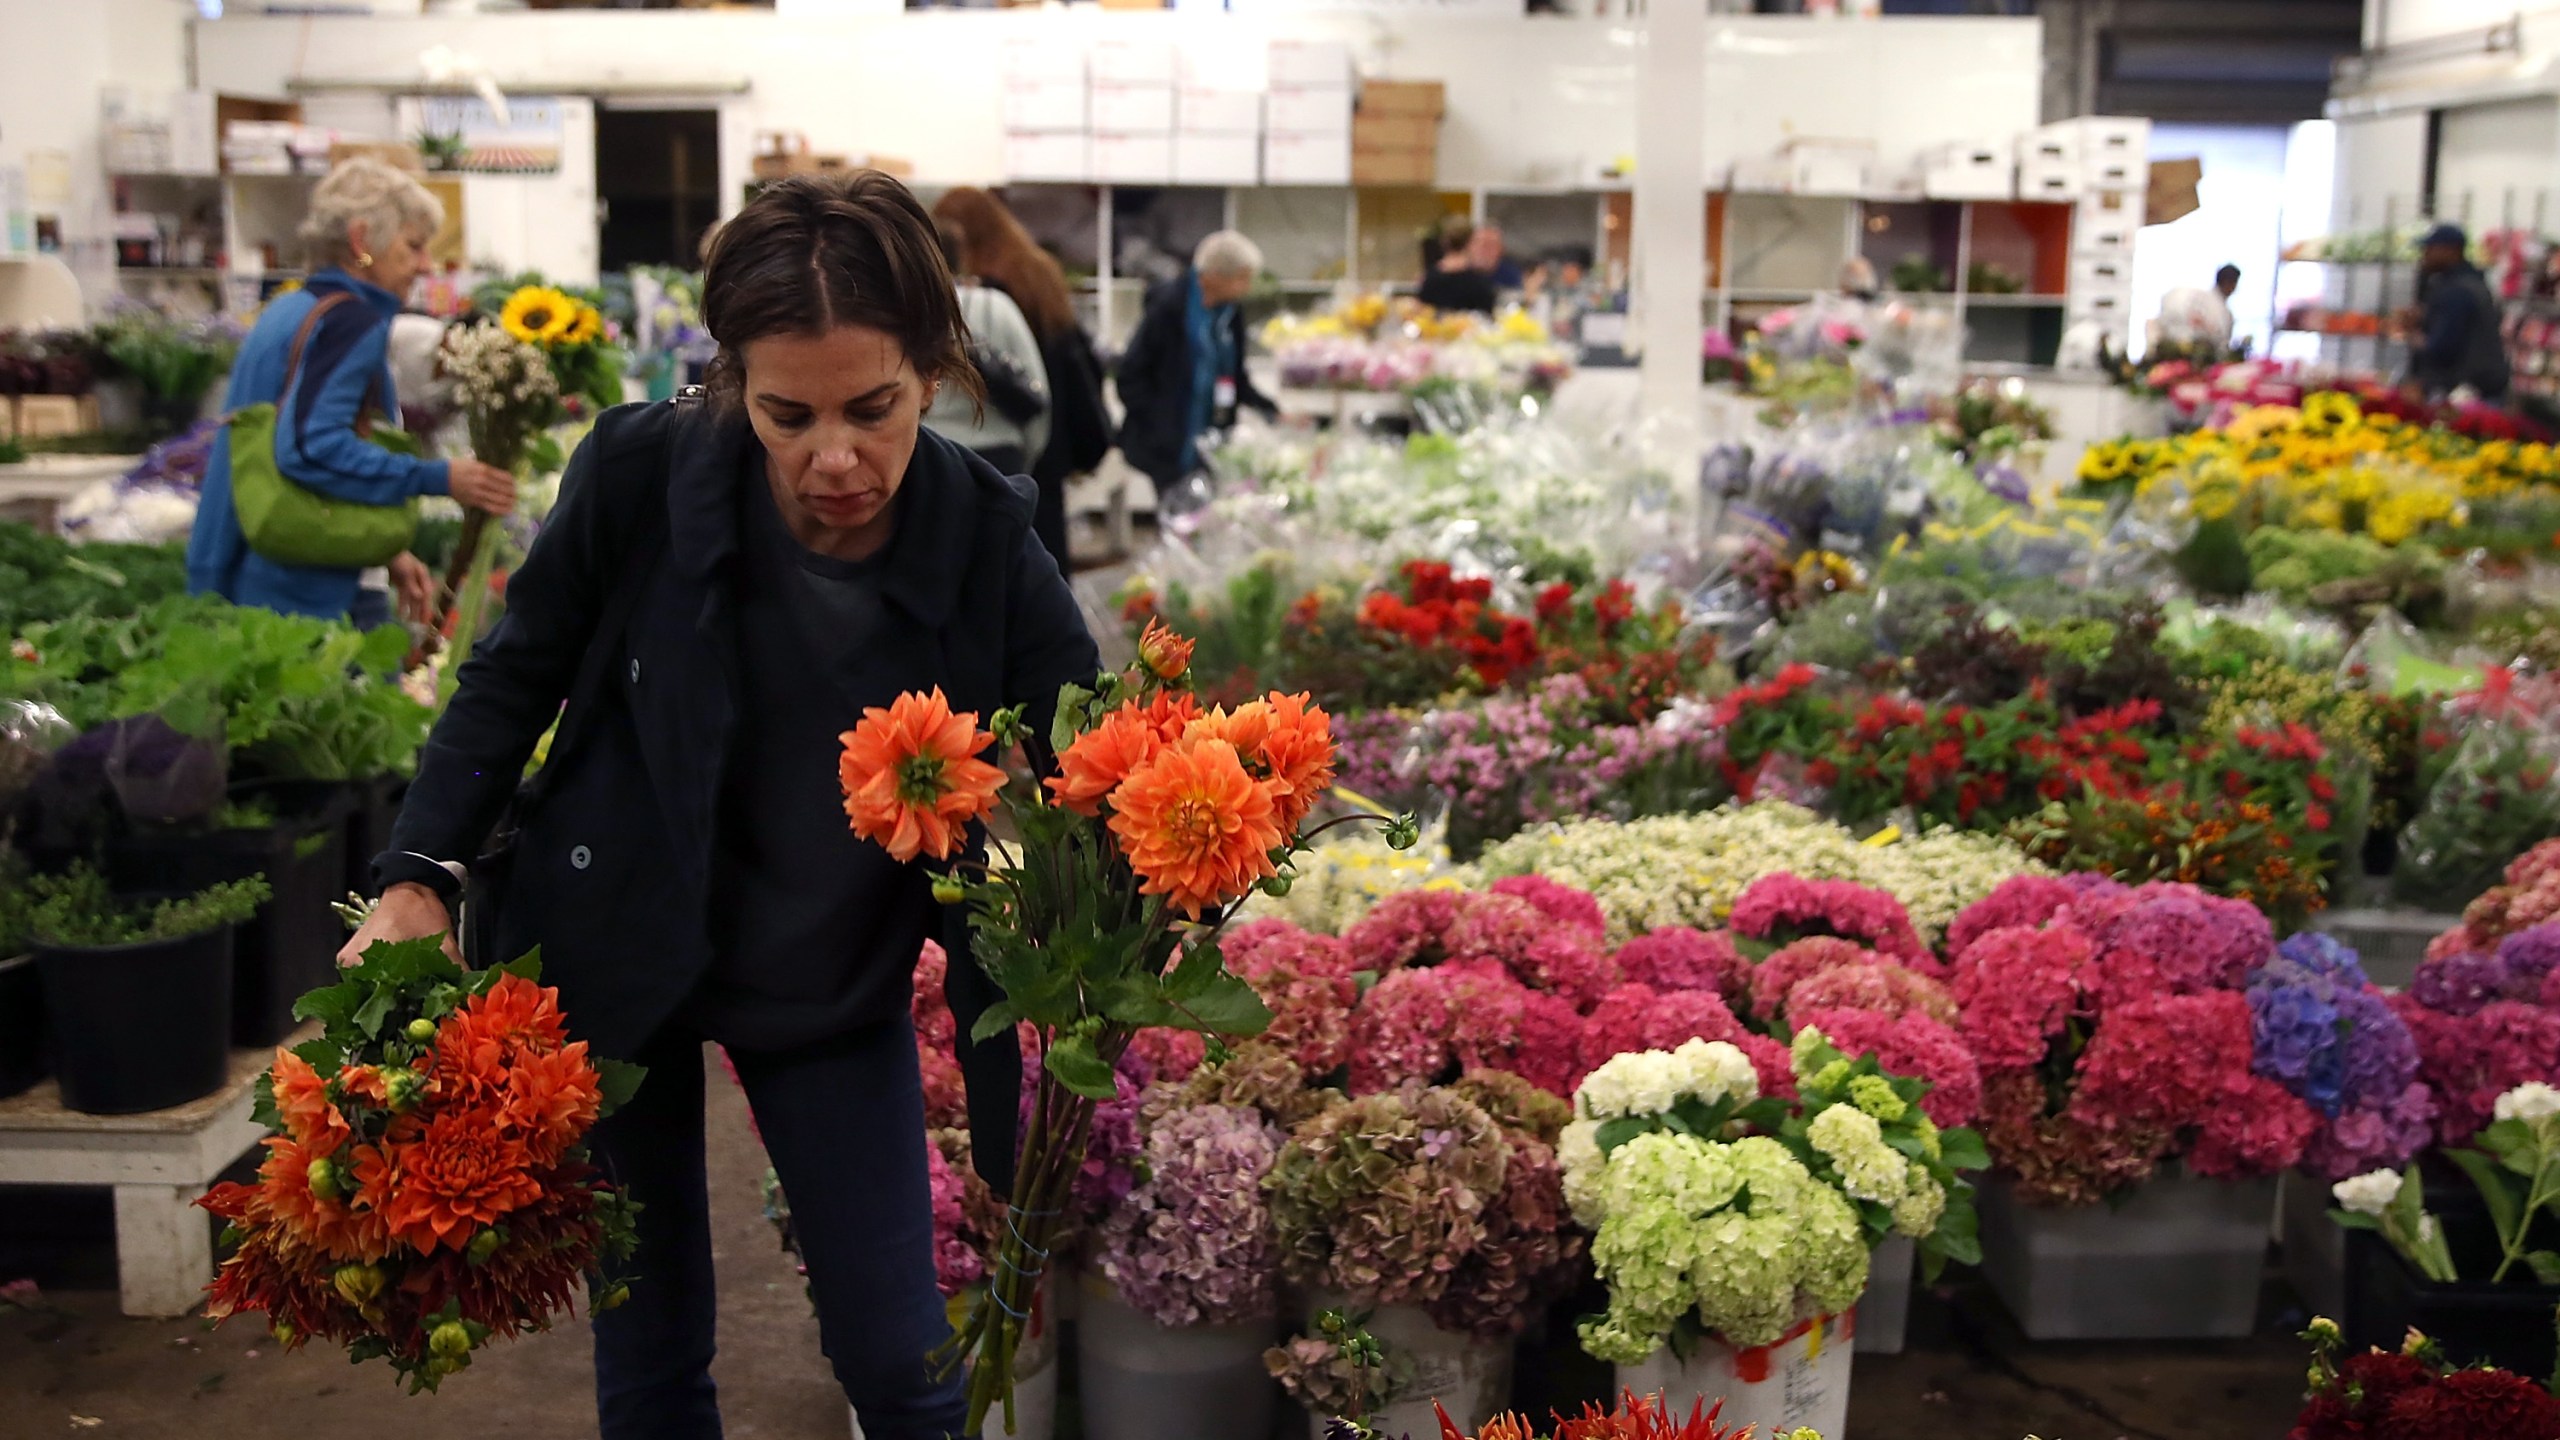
[(1002, 255), (723, 589)]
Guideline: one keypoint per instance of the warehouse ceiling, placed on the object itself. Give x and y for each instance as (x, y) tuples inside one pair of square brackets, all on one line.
[(2225, 61)]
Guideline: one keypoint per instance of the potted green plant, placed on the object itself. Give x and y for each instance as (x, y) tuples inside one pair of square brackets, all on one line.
[(138, 991), (173, 361)]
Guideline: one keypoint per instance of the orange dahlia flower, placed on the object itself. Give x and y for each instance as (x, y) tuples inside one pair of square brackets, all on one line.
[(462, 1172), (912, 779), (551, 1100), (1285, 742), (302, 1100), (1196, 827), (1165, 653), (1104, 756), (1171, 712), (332, 1223)]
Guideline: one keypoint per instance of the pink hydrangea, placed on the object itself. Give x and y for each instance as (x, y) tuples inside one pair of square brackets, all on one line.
[(2193, 940), (2373, 1136), (1888, 989), (1785, 906), (2028, 900), (1677, 957), (1499, 1024), (1167, 1055), (1791, 965), (2015, 988), (926, 1004), (1558, 902), (2470, 1060), (1400, 1032), (1494, 927), (1257, 947), (957, 1265), (1914, 1045), (1771, 1060), (2165, 1063), (1638, 1017), (946, 1095), (2529, 896), (1406, 928), (2254, 1127)]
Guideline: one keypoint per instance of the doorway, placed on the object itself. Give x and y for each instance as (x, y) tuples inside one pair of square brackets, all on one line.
[(657, 185)]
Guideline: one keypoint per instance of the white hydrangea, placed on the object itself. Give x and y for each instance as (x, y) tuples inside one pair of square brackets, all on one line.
[(1578, 1156), (2529, 1101), (2370, 1193), (1645, 1082), (1716, 1070)]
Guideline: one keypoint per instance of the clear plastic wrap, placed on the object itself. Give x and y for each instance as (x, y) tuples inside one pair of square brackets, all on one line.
[(30, 733)]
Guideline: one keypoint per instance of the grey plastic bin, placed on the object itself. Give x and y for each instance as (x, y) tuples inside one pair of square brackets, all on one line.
[(2179, 1259)]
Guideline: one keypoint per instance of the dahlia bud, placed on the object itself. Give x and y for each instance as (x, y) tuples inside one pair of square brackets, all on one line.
[(484, 1245), (322, 1175), (1165, 654), (947, 890), (360, 1285), (610, 1299), (403, 1087), (421, 1030), (450, 1341)]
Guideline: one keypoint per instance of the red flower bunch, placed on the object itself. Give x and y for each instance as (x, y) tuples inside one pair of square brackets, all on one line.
[(1536, 949), (1784, 907), (1440, 612), (2414, 1396), (425, 1187), (1781, 714), (2470, 1060), (1409, 927)]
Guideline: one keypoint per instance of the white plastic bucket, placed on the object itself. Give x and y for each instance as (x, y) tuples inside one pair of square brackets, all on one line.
[(1884, 1312), (1143, 1381), (1471, 1377), (1802, 1378)]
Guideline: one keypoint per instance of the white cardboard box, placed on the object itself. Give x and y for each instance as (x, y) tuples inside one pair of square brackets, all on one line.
[(1298, 158), (1047, 156), (1212, 60), (2049, 180), (1321, 63), (1026, 58), (1828, 169), (2110, 137), (1304, 110), (2049, 146), (1216, 159), (1044, 105), (1217, 112), (1969, 172), (2105, 224), (1763, 175), (2096, 274), (2115, 172), (1144, 159), (1130, 109), (1131, 61)]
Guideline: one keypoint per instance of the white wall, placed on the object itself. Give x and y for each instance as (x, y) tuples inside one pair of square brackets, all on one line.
[(2499, 165), (2382, 165), (2237, 221), (2397, 22), (57, 60)]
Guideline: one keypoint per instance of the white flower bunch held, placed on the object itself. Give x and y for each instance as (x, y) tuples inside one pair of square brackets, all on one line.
[(2516, 1164), (2393, 1204), (504, 387)]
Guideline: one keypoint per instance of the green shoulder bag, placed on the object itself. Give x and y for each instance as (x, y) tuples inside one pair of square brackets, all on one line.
[(293, 524)]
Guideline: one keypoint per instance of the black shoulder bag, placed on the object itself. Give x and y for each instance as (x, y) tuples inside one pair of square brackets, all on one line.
[(484, 901)]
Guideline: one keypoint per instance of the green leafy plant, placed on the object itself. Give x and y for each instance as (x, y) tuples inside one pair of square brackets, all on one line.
[(76, 910)]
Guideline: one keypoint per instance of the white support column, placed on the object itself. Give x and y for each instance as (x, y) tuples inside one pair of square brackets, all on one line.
[(164, 1249), (1670, 202)]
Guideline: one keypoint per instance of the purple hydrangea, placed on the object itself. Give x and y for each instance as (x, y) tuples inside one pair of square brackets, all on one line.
[(1194, 1245), (2529, 956), (2321, 1030), (2459, 984), (2324, 955), (2380, 1135)]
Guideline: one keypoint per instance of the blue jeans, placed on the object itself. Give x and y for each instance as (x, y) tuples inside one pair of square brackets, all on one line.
[(843, 1122), (371, 611)]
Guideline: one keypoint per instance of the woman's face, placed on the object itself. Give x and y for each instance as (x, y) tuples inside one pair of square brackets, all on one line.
[(838, 414), (396, 259)]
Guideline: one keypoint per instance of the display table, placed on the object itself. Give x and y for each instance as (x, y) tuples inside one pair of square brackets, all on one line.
[(35, 490), (157, 1164)]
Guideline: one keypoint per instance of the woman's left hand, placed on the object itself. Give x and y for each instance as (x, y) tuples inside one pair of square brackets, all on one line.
[(414, 587)]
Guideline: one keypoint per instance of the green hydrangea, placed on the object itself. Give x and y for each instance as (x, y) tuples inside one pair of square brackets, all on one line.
[(1854, 1143), (1917, 1212), (1874, 1094)]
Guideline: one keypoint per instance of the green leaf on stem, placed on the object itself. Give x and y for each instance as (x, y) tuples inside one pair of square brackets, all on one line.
[(1228, 1006), (2497, 1188), (1080, 1068), (2355, 1220), (1614, 1133), (1962, 1149), (998, 1018)]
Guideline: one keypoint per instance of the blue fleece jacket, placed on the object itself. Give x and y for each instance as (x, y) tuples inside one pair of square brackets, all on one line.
[(345, 361)]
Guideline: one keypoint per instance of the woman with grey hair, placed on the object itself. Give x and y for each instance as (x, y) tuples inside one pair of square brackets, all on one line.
[(1183, 374), (319, 355)]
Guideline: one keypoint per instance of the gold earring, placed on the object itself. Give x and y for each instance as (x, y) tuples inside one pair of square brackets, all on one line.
[(364, 259)]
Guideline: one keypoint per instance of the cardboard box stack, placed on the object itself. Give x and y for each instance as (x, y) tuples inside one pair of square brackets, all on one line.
[(2110, 158), (1307, 114), (1217, 111), (1130, 110), (1395, 132), (1044, 111)]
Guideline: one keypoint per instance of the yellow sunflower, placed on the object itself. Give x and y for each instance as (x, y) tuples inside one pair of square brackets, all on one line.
[(586, 326), (539, 315)]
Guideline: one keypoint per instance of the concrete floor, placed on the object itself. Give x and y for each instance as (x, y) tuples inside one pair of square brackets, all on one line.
[(73, 1367)]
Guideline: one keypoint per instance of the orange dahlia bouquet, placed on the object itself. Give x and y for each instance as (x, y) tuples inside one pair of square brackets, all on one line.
[(426, 1187), (1100, 915)]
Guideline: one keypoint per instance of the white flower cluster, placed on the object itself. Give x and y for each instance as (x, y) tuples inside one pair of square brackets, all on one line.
[(1873, 1171), (2529, 1101), (1689, 869), (491, 370), (1339, 881), (2370, 1193), (1649, 1082)]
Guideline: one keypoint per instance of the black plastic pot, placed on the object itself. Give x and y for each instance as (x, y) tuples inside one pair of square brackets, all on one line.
[(2473, 1321), (291, 945), (22, 1061), (140, 1027), (376, 806)]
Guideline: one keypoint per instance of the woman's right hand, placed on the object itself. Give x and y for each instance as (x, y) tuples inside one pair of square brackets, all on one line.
[(407, 911), (481, 486)]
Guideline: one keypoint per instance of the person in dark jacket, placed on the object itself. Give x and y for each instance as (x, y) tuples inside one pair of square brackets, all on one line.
[(1183, 374), (721, 592), (1002, 255), (2457, 344)]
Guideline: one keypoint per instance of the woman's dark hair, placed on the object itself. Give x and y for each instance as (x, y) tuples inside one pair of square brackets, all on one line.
[(995, 248), (817, 251)]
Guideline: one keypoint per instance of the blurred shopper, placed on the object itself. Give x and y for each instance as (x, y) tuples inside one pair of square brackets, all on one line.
[(1001, 255), (368, 230), (2455, 342), (1453, 282), (1011, 425), (1487, 253), (1183, 374), (2193, 319)]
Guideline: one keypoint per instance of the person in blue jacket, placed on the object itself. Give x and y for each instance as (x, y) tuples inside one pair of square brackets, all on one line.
[(368, 229)]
